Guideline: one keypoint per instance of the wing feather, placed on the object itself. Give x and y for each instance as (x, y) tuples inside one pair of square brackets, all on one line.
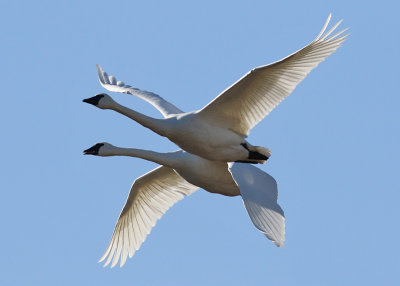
[(241, 106), (150, 197), (260, 194), (111, 84)]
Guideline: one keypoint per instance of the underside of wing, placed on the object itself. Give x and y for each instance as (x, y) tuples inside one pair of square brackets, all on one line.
[(111, 84), (241, 106), (150, 197), (260, 193)]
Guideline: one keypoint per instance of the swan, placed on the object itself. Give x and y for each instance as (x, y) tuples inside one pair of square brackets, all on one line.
[(181, 174), (218, 131)]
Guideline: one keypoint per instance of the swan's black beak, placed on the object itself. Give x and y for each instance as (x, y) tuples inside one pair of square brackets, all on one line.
[(94, 150), (94, 100)]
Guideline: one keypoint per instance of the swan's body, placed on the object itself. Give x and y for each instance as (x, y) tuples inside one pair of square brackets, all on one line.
[(213, 176), (218, 131), (181, 174), (226, 145)]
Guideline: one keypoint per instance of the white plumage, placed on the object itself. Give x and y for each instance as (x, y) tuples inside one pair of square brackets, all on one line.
[(241, 106), (215, 132), (183, 173), (150, 197)]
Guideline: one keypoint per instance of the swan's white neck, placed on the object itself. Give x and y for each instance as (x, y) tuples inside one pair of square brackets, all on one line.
[(171, 159), (159, 126)]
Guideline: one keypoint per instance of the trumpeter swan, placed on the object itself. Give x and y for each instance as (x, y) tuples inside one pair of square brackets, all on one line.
[(218, 131), (181, 174)]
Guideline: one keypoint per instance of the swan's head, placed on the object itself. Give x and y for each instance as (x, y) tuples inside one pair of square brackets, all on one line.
[(100, 149), (101, 100)]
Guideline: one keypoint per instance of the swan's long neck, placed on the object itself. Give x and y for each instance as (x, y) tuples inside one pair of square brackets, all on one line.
[(159, 126), (171, 159)]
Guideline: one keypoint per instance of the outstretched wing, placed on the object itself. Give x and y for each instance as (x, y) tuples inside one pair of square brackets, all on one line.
[(241, 106), (110, 83), (260, 193), (150, 197)]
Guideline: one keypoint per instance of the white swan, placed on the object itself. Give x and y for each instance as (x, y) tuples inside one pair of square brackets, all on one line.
[(218, 131), (182, 173)]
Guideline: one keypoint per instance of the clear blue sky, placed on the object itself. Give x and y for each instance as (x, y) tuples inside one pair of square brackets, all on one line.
[(334, 142)]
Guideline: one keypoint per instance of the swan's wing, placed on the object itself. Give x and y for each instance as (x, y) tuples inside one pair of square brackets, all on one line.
[(150, 197), (260, 193), (241, 106), (110, 83)]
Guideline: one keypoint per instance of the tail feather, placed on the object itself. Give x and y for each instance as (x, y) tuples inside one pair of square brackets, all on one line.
[(262, 150), (257, 154)]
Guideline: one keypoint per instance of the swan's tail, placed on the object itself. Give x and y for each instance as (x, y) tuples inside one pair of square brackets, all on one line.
[(257, 154)]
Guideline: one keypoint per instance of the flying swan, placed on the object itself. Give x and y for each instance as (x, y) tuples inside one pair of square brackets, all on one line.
[(218, 131), (181, 174)]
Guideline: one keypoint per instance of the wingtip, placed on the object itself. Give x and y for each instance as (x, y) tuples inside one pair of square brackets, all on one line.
[(324, 27), (114, 263), (99, 69), (103, 257), (100, 74), (104, 264)]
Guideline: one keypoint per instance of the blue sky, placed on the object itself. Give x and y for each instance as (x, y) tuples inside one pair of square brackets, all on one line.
[(334, 142)]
